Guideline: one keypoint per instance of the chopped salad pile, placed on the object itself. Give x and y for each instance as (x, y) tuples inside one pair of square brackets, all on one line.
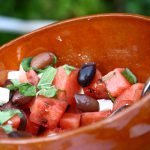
[(43, 100)]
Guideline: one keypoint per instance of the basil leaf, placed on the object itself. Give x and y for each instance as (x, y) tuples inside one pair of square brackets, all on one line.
[(68, 69), (7, 114), (48, 92), (27, 89), (54, 60), (112, 98), (26, 63), (13, 86), (7, 128), (129, 76), (47, 77), (15, 82)]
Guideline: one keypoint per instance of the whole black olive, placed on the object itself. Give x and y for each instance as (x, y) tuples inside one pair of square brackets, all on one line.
[(86, 74), (19, 134), (119, 110), (19, 100), (86, 103), (146, 87), (43, 60)]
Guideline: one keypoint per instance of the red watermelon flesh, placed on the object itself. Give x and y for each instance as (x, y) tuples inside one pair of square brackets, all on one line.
[(47, 111), (96, 89), (119, 104), (14, 122), (32, 77), (92, 117), (117, 83), (133, 93), (66, 82), (70, 121)]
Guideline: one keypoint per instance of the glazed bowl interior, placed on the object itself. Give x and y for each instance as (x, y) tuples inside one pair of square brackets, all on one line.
[(110, 40)]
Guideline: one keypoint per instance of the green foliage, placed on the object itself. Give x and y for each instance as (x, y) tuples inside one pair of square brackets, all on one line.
[(64, 9)]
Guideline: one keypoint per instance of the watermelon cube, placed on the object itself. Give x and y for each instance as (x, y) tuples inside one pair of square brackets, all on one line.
[(47, 111), (32, 77), (68, 83), (133, 93), (119, 104), (70, 121), (116, 82), (92, 117)]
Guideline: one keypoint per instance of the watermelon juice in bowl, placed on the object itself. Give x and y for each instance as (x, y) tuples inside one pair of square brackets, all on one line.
[(72, 90)]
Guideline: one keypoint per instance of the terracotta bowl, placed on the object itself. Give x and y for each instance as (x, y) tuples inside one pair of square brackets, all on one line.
[(110, 40)]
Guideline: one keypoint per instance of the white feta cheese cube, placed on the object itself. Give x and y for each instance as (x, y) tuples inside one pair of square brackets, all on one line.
[(105, 104), (13, 75), (4, 95)]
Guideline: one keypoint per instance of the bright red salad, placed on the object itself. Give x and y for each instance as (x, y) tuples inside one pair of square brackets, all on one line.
[(40, 99)]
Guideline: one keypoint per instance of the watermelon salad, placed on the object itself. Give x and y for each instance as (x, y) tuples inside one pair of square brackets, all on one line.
[(40, 99)]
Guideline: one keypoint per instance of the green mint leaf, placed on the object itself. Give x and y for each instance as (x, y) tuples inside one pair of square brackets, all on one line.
[(129, 76), (15, 82), (13, 86), (54, 60), (47, 77), (7, 114), (48, 92), (112, 98), (68, 69), (27, 89), (7, 128), (26, 63)]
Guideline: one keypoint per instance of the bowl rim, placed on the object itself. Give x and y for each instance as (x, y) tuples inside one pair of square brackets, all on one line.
[(88, 127)]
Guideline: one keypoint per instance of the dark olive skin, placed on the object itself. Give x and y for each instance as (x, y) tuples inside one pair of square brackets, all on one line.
[(119, 110), (42, 60), (146, 87), (86, 103), (19, 134), (86, 74), (19, 100)]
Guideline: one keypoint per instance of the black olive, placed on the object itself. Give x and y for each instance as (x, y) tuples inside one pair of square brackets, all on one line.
[(146, 87), (86, 103), (86, 74), (23, 122), (20, 100), (119, 110), (19, 134)]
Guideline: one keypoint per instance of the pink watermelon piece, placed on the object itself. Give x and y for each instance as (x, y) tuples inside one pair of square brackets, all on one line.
[(117, 83), (133, 93), (119, 104), (68, 83), (47, 111)]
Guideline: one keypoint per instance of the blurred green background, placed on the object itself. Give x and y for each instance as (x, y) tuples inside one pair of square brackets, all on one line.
[(64, 9)]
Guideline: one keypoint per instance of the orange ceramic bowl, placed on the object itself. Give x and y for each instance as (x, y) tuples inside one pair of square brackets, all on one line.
[(110, 40)]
